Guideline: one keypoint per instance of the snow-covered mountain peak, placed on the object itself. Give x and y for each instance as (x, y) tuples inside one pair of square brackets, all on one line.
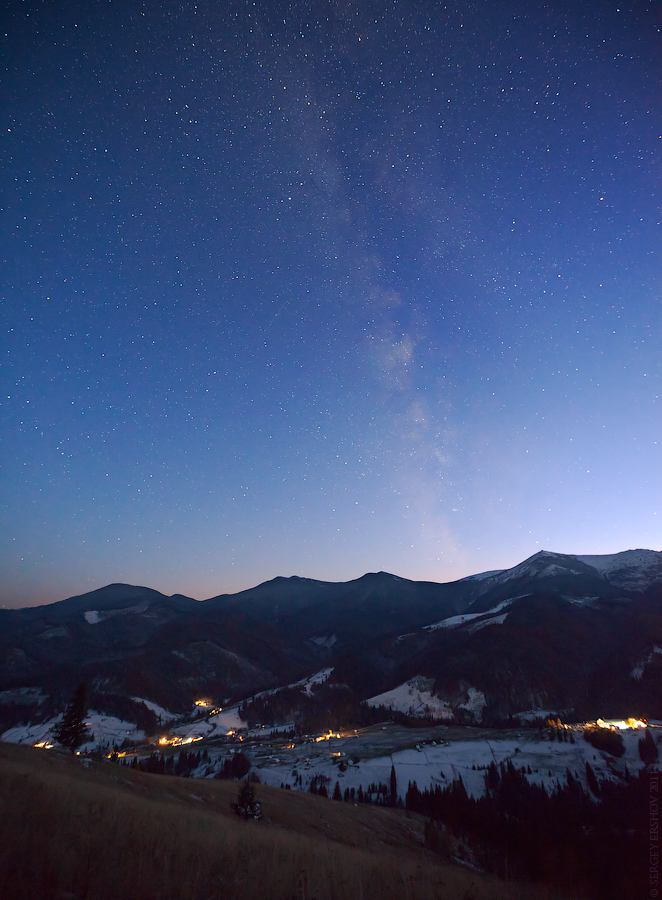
[(545, 562), (631, 569), (628, 569)]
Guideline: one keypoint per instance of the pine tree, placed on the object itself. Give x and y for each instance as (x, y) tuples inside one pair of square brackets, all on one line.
[(246, 805), (393, 792), (72, 730), (592, 780), (413, 797), (492, 777), (336, 792)]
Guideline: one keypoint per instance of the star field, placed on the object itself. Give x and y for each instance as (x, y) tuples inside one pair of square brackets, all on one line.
[(322, 288)]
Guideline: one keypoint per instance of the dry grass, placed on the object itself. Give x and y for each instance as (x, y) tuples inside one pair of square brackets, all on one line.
[(105, 832)]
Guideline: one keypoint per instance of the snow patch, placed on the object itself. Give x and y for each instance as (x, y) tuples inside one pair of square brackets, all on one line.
[(110, 731), (638, 671), (164, 714), (305, 683), (327, 640), (581, 601), (224, 722), (475, 703), (107, 731), (415, 698), (57, 631), (492, 620), (318, 678), (29, 734), (95, 616), (455, 621)]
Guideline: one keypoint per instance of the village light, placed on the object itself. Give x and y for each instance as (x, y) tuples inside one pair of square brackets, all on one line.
[(327, 737), (621, 724), (630, 723), (177, 741)]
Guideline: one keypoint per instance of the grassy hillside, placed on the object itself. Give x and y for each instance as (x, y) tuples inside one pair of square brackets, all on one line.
[(75, 831)]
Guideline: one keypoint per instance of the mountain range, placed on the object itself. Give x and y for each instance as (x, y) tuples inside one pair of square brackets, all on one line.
[(581, 634)]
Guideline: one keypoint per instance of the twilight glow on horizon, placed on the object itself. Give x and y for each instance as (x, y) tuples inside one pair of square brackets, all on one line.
[(323, 288)]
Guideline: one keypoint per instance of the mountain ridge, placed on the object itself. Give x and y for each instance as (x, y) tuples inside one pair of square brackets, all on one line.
[(612, 567), (593, 621)]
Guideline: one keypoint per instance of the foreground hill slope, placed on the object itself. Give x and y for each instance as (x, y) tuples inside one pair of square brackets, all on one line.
[(105, 832)]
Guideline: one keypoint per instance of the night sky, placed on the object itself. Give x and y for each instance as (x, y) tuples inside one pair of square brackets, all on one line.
[(323, 288)]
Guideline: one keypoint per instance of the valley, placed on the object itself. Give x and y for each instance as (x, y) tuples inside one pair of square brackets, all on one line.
[(282, 756), (382, 770)]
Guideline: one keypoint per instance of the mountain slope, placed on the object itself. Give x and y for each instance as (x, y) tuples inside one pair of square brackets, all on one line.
[(368, 607), (556, 631), (605, 577)]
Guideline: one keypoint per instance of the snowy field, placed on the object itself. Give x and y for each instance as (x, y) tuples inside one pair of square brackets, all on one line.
[(414, 697), (435, 760), (159, 711), (440, 764), (220, 725), (107, 732)]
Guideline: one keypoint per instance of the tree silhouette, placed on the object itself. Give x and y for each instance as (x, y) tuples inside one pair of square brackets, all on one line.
[(72, 730), (393, 791), (607, 739), (235, 766), (246, 805), (648, 749), (592, 780)]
